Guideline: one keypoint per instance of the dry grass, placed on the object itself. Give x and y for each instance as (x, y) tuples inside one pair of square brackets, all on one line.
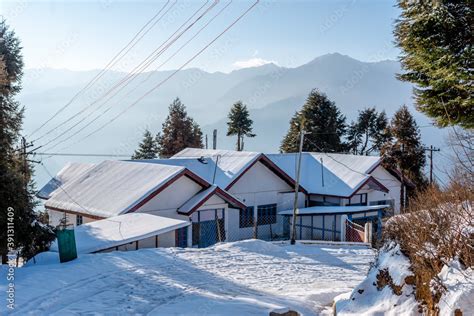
[(437, 229)]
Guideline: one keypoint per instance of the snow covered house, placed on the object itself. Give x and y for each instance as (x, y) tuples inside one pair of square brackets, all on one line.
[(340, 184), (113, 188), (228, 195), (253, 179)]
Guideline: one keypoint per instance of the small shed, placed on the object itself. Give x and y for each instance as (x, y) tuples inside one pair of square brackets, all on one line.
[(130, 231)]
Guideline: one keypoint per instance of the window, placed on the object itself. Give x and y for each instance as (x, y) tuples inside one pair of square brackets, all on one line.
[(358, 199), (79, 220), (322, 200), (181, 237), (267, 214), (246, 217)]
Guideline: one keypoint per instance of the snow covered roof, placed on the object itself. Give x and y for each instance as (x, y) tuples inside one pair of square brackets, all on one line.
[(342, 174), (112, 187), (69, 172), (120, 230), (230, 164), (199, 199), (334, 209)]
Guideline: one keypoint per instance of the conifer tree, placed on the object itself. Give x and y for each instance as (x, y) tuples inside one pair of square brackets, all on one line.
[(405, 151), (323, 123), (27, 235), (369, 133), (239, 124), (148, 148), (437, 56), (179, 131)]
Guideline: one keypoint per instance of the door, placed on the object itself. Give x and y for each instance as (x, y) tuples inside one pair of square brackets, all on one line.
[(208, 227)]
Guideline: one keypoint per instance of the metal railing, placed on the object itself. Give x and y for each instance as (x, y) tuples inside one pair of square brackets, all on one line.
[(354, 232)]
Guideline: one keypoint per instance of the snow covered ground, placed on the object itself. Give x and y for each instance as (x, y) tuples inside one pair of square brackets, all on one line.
[(249, 277), (367, 300)]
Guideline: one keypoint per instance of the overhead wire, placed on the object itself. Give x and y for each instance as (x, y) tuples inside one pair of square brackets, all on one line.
[(61, 187), (110, 64), (122, 82), (146, 79), (168, 77), (129, 78)]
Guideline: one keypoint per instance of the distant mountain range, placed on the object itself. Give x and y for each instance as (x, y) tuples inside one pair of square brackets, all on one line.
[(273, 94)]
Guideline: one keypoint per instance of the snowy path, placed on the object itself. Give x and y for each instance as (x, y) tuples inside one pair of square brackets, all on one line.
[(242, 278)]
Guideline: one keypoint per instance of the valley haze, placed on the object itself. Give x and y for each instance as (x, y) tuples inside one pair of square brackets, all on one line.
[(272, 93)]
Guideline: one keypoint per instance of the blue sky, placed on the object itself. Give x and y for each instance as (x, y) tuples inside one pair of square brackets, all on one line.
[(85, 35)]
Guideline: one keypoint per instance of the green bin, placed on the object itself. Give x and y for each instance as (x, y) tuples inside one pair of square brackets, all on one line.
[(66, 245)]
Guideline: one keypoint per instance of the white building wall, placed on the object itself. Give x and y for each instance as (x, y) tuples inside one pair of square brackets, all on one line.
[(166, 204), (172, 197), (392, 184), (260, 186), (55, 218)]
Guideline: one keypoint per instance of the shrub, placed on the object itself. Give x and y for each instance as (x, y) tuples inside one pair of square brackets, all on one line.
[(437, 228)]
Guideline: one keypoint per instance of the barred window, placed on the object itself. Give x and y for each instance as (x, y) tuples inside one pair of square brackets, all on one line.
[(267, 214), (246, 217), (79, 220)]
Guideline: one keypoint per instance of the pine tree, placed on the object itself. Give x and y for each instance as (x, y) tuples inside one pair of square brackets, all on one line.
[(369, 133), (148, 148), (17, 201), (437, 55), (290, 142), (179, 131), (323, 123), (405, 150), (239, 123)]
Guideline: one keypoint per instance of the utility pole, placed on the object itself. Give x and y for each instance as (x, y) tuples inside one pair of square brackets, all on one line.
[(402, 179), (23, 152), (431, 149), (297, 186), (25, 161), (214, 139), (206, 142)]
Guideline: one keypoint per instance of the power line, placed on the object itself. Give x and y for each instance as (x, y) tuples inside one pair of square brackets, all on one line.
[(134, 89), (111, 63), (84, 155), (134, 72), (167, 78), (62, 189), (129, 78)]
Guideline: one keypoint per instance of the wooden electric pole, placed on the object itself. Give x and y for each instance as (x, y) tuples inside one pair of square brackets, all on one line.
[(431, 149), (297, 186), (402, 179)]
